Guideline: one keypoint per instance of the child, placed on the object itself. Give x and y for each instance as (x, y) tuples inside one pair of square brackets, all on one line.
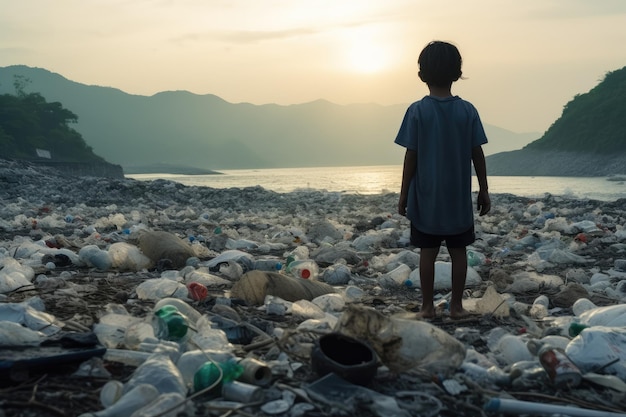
[(442, 135)]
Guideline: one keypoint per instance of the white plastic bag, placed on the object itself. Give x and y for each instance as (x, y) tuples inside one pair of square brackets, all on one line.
[(596, 347)]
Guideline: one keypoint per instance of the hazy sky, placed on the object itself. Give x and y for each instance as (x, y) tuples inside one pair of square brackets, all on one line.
[(523, 60)]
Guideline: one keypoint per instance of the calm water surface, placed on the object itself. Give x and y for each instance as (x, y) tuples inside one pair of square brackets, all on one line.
[(386, 178)]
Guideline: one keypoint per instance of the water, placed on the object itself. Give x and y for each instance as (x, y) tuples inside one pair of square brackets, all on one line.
[(386, 178)]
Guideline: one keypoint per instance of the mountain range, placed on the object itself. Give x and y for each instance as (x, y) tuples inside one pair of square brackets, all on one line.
[(187, 132)]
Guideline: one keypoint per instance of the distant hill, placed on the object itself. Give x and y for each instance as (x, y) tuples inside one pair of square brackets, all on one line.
[(37, 131), (589, 139), (184, 130)]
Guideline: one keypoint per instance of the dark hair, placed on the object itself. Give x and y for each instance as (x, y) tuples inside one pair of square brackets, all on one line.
[(439, 64)]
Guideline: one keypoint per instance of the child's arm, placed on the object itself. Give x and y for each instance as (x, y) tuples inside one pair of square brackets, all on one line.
[(483, 201), (408, 171)]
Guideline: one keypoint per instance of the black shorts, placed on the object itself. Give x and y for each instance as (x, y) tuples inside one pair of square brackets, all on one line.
[(424, 240)]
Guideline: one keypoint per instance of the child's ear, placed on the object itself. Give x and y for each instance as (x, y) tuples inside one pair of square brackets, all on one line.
[(419, 74)]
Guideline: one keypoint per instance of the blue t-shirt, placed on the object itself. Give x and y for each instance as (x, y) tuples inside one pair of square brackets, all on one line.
[(443, 132)]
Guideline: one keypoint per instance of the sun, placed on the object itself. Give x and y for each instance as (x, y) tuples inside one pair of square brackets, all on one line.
[(366, 58), (364, 51)]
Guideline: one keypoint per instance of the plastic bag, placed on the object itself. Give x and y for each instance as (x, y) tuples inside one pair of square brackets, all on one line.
[(600, 349)]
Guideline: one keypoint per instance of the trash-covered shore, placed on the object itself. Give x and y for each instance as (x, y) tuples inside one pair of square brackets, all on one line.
[(120, 297)]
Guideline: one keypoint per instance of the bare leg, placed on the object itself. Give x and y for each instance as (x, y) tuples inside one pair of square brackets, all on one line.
[(427, 280), (459, 274)]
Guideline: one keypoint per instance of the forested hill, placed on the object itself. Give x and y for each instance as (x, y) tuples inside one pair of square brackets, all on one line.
[(589, 139), (35, 130), (592, 122)]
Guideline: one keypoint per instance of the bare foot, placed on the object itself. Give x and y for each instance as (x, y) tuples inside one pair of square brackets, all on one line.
[(427, 312), (459, 313)]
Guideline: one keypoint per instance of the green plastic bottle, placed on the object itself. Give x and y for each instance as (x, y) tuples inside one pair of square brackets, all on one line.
[(575, 329), (170, 324), (209, 374)]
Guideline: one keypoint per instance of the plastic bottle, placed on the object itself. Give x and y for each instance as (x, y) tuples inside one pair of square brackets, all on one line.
[(197, 291), (298, 254), (161, 372), (190, 361), (561, 370), (171, 403), (397, 276), (191, 313), (134, 399), (610, 316), (270, 265), (304, 269), (581, 305), (242, 392), (211, 375), (170, 324), (485, 376), (475, 258)]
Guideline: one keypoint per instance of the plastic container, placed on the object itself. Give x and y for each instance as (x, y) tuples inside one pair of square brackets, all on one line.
[(561, 370), (298, 254), (347, 357), (396, 277), (212, 375), (242, 392), (191, 313), (190, 361), (170, 324), (270, 265), (255, 372), (475, 258), (304, 269), (403, 344), (134, 399), (166, 405), (581, 305), (161, 372), (197, 291), (600, 349), (609, 316)]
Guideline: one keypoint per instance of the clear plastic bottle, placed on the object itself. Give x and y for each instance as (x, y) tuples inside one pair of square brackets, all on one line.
[(134, 399), (298, 254), (269, 264), (304, 269)]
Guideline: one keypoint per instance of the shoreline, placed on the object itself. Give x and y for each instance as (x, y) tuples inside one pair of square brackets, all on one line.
[(562, 248)]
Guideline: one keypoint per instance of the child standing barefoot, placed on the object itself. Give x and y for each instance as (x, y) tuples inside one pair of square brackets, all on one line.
[(442, 135)]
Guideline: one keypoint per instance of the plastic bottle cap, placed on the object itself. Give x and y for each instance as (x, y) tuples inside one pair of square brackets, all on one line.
[(576, 328), (305, 273)]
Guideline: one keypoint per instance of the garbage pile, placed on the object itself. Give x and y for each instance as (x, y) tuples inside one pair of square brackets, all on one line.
[(128, 298)]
